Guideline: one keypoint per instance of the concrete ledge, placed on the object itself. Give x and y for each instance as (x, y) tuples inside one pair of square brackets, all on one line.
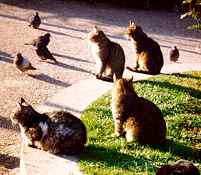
[(37, 162), (77, 97)]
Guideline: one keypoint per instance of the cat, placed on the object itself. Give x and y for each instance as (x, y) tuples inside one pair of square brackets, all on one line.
[(134, 116), (109, 56), (57, 132), (149, 58), (180, 167)]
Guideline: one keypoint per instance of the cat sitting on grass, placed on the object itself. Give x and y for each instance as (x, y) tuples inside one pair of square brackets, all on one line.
[(56, 132), (109, 56), (135, 116), (149, 58)]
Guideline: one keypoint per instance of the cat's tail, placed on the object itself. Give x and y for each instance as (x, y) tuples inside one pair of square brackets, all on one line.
[(142, 71)]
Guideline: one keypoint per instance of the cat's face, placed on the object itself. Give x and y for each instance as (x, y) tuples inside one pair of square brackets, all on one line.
[(96, 35), (21, 113), (133, 31)]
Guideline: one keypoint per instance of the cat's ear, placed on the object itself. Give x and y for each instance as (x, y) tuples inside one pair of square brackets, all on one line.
[(22, 100), (131, 24), (130, 79), (95, 29), (19, 104)]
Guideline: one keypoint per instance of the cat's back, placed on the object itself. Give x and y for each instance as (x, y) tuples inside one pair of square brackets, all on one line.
[(66, 133), (66, 118), (116, 51), (147, 107)]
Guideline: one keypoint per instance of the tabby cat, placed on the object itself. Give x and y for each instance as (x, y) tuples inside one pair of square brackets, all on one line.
[(109, 56), (56, 132), (149, 58), (135, 116)]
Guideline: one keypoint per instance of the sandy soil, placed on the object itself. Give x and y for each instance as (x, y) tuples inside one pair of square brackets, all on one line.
[(69, 22)]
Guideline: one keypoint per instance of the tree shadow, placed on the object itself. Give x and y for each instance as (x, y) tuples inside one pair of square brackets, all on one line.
[(113, 158), (192, 92), (186, 76), (178, 149), (48, 79), (180, 49), (9, 162), (66, 66), (6, 123), (6, 57), (71, 58)]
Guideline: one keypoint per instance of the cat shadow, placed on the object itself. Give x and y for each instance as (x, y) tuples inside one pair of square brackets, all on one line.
[(192, 92), (71, 58), (58, 33), (66, 66), (178, 149), (6, 57), (9, 162), (6, 123), (94, 154), (48, 79)]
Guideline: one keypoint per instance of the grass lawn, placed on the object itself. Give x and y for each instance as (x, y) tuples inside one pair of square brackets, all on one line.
[(179, 98)]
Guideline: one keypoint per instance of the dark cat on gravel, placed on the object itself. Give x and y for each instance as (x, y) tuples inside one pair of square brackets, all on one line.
[(56, 132)]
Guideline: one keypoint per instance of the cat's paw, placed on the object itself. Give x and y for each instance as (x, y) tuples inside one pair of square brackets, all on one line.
[(133, 69), (98, 76)]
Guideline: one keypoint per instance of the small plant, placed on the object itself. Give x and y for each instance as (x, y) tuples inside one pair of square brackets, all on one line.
[(194, 11)]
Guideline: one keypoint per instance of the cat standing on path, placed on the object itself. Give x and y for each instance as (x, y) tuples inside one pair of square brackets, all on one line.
[(149, 58), (56, 132), (109, 56)]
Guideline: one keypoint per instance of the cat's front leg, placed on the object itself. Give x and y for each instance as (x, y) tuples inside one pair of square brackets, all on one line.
[(134, 68), (101, 70), (118, 128)]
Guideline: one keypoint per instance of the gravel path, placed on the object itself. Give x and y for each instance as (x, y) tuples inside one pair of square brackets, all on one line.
[(69, 23)]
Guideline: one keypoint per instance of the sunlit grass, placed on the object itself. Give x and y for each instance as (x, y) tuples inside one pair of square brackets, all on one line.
[(179, 98)]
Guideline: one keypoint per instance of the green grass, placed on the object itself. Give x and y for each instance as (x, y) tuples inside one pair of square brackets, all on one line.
[(179, 98)]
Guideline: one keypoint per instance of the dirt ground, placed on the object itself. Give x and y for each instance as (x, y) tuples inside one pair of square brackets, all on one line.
[(69, 22)]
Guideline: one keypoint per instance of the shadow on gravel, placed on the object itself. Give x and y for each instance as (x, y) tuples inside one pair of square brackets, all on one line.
[(9, 162), (72, 58), (6, 57), (6, 123), (66, 66), (48, 79), (59, 33)]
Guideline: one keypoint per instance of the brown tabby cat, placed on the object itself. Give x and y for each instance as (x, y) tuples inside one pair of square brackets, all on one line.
[(135, 116), (109, 56), (149, 58), (56, 132)]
